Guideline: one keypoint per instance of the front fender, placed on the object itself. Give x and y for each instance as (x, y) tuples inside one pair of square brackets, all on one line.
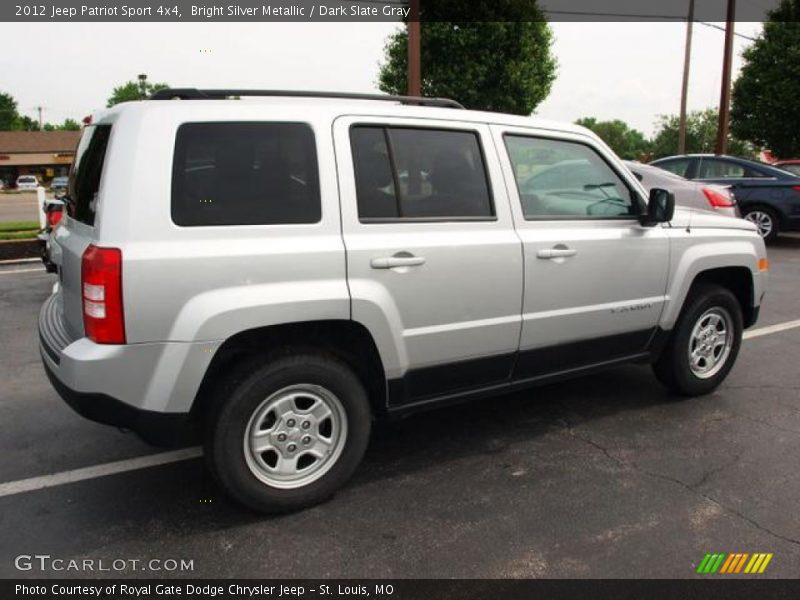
[(691, 257)]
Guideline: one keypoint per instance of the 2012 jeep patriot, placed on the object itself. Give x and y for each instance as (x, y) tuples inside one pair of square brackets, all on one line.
[(276, 273)]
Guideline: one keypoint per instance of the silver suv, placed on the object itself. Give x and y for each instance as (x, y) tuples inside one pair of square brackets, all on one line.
[(275, 274)]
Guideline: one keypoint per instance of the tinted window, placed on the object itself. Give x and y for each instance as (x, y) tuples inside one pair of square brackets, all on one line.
[(712, 168), (404, 173), (245, 174), (558, 179), (84, 179), (793, 169), (679, 167)]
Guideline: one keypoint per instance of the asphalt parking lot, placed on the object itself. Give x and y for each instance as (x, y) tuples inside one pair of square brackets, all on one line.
[(604, 476)]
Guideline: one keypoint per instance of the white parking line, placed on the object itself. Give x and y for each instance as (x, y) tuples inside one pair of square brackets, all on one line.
[(153, 460), (121, 466), (22, 271), (753, 333)]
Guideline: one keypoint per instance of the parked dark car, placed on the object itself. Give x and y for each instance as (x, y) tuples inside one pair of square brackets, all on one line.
[(766, 195)]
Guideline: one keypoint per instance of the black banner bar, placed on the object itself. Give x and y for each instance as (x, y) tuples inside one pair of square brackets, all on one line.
[(370, 10), (732, 588)]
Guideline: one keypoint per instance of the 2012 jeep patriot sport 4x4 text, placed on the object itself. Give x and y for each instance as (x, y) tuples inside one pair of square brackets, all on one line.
[(276, 273)]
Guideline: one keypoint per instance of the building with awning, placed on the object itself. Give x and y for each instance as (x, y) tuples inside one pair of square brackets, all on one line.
[(46, 154)]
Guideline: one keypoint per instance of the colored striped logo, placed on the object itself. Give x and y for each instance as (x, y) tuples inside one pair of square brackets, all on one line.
[(738, 562)]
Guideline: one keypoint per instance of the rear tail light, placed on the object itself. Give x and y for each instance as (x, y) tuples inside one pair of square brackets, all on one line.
[(101, 288), (718, 198), (796, 188), (54, 218)]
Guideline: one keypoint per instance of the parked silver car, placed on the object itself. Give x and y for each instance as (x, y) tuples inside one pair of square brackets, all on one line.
[(261, 275), (703, 196)]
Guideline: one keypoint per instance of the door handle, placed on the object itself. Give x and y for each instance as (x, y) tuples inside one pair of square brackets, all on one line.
[(390, 262), (556, 253)]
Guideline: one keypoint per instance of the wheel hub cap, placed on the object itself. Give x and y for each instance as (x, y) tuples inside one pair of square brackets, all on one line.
[(295, 436), (710, 342)]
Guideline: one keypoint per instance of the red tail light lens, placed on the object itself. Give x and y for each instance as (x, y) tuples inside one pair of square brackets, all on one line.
[(718, 199), (796, 188), (54, 218), (101, 288)]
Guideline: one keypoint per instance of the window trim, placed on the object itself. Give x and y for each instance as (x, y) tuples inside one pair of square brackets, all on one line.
[(385, 126), (636, 199), (305, 124)]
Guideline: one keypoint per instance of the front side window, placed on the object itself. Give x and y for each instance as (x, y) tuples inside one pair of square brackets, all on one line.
[(245, 174), (414, 173), (558, 179), (713, 168)]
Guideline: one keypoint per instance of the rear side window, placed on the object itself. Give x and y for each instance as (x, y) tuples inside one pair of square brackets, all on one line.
[(678, 167), (84, 179), (245, 174), (412, 173)]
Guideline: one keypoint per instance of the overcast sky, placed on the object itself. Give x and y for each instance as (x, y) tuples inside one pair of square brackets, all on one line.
[(630, 71)]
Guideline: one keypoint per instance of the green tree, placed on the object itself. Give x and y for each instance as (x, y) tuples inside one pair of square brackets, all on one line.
[(765, 108), (25, 123), (134, 90), (8, 112), (626, 142), (701, 135), (499, 61), (70, 125)]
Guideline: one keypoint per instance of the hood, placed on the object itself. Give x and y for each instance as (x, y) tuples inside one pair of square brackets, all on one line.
[(704, 219)]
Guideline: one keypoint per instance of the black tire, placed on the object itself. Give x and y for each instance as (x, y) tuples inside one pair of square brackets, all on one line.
[(672, 368), (240, 397), (771, 214)]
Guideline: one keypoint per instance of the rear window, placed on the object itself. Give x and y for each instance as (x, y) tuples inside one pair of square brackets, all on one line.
[(245, 174), (84, 179)]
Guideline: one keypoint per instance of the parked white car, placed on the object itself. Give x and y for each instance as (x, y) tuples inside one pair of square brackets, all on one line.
[(27, 182)]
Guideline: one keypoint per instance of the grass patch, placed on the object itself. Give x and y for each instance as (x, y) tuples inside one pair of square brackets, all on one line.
[(18, 226), (19, 235)]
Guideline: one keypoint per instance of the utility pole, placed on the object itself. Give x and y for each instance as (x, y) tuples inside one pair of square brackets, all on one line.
[(142, 77), (39, 109), (414, 68), (687, 59), (725, 95)]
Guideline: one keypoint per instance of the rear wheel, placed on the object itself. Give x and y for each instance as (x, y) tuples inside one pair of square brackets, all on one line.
[(704, 344), (765, 220), (289, 432)]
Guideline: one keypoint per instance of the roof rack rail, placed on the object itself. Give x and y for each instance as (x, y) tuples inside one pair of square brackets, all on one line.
[(195, 94)]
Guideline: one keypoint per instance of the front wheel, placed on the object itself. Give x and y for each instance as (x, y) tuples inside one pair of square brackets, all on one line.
[(704, 344), (288, 433)]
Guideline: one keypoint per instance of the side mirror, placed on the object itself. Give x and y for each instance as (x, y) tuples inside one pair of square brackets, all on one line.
[(660, 207)]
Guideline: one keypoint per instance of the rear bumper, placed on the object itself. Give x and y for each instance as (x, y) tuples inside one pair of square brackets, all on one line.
[(149, 387), (159, 429)]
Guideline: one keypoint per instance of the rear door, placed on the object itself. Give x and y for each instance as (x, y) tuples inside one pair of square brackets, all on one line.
[(78, 227), (434, 264)]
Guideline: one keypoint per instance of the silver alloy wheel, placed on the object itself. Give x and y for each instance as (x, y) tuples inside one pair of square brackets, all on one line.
[(762, 220), (295, 436), (711, 342)]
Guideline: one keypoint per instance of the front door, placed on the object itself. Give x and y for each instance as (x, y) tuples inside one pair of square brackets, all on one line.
[(595, 279)]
